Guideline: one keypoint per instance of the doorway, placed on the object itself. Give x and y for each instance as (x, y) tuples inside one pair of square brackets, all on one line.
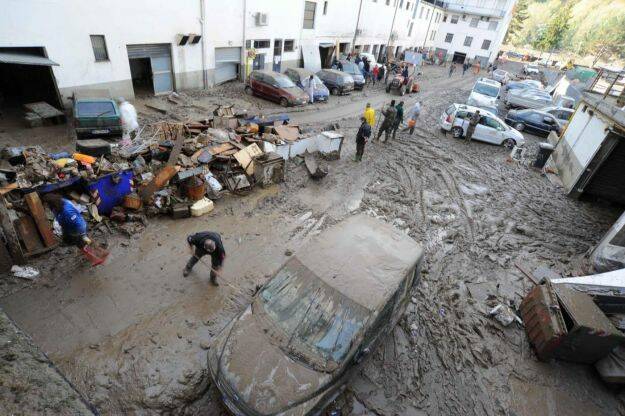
[(343, 49), (325, 55), (141, 75), (151, 68), (277, 54), (259, 62), (459, 57)]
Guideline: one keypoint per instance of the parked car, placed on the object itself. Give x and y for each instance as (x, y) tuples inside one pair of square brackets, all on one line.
[(485, 92), (529, 98), (325, 311), (524, 84), (301, 78), (96, 115), (353, 70), (562, 114), (512, 54), (336, 81), (529, 69), (276, 87), (533, 121), (490, 129), (501, 76)]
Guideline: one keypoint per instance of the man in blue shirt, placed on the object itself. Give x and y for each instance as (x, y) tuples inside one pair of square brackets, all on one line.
[(70, 219)]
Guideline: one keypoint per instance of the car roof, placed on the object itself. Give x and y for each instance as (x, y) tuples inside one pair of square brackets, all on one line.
[(333, 71), (363, 258), (301, 71), (267, 72), (489, 81), (472, 108)]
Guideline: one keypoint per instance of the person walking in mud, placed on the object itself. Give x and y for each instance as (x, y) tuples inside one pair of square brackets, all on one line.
[(413, 115), (201, 244), (369, 115), (311, 89), (452, 68), (399, 118), (389, 120), (364, 132), (475, 118)]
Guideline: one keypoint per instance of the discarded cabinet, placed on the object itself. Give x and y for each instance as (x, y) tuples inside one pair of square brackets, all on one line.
[(269, 169), (566, 324)]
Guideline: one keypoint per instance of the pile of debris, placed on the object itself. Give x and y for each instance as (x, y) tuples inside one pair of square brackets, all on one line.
[(175, 169)]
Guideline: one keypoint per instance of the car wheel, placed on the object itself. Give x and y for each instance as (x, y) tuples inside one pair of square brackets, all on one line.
[(284, 102), (519, 126), (334, 91), (248, 90), (509, 143), (457, 132)]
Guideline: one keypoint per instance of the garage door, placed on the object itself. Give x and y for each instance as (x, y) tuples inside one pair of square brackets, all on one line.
[(160, 60), (226, 64)]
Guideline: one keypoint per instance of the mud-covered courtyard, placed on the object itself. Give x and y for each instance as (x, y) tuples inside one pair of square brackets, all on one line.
[(132, 335)]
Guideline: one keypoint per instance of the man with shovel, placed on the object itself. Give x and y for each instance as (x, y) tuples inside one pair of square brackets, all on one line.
[(204, 243)]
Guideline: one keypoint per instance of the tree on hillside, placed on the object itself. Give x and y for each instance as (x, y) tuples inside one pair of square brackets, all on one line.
[(516, 24), (554, 33)]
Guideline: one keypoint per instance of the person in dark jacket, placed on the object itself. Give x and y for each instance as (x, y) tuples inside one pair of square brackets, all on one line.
[(475, 118), (399, 118), (364, 132), (381, 72), (201, 244), (389, 120)]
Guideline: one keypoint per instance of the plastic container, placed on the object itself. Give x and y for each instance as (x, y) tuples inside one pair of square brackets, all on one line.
[(195, 188), (95, 254), (202, 207), (84, 158)]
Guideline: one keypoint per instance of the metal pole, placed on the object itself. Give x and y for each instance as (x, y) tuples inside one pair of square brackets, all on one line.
[(243, 47), (357, 23), (392, 27), (204, 75)]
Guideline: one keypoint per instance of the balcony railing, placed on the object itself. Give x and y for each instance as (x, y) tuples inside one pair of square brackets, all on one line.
[(461, 8)]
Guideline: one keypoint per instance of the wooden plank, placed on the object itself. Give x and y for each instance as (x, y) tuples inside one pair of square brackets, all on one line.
[(13, 243), (27, 231), (289, 133), (43, 225), (43, 109), (8, 188), (216, 150), (246, 156)]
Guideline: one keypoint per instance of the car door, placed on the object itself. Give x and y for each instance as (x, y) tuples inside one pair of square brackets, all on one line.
[(258, 84), (534, 122), (271, 88), (485, 130)]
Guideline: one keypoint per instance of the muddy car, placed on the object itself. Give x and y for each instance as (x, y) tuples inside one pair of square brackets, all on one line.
[(276, 87), (293, 349)]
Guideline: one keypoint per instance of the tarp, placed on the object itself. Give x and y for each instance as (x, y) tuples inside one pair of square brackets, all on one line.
[(312, 59), (25, 59), (414, 58)]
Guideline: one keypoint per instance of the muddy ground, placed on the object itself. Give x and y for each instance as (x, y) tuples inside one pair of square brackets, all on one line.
[(132, 335)]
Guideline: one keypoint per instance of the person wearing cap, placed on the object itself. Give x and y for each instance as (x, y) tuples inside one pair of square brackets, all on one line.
[(201, 244), (364, 132)]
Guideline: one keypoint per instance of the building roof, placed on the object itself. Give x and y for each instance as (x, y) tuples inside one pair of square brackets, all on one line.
[(606, 108), (362, 258), (25, 59)]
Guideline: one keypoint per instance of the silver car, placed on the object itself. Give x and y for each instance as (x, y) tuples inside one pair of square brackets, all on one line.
[(528, 98)]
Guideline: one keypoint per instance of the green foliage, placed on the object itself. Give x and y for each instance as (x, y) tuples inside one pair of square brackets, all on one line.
[(516, 24), (583, 27)]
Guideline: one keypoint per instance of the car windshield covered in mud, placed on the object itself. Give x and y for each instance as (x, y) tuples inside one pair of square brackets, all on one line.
[(291, 351), (319, 322)]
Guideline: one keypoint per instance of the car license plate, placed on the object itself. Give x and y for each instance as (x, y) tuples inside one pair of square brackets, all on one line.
[(100, 131)]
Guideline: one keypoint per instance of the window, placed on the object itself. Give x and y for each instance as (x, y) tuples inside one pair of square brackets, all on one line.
[(289, 45), (468, 40), (262, 44), (427, 14), (444, 18), (401, 4), (407, 5), (449, 38), (410, 30), (432, 35), (388, 2), (309, 14), (474, 22), (375, 49), (454, 18), (366, 48), (325, 7), (493, 25), (421, 13), (99, 48), (486, 44)]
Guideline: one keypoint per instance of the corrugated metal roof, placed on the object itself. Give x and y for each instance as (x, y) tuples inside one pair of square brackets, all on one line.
[(25, 59)]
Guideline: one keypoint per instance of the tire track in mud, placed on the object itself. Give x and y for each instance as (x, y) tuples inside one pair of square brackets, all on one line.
[(475, 213)]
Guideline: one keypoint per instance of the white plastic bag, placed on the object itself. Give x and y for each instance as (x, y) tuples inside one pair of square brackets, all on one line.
[(213, 182)]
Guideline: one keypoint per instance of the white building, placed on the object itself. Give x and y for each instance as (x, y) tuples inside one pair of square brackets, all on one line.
[(50, 49), (472, 29)]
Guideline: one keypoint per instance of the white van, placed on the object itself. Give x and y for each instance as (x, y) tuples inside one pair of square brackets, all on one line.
[(485, 93)]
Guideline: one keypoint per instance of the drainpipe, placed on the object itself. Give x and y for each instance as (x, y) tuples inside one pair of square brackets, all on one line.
[(243, 51), (204, 75), (392, 27), (427, 32), (357, 23)]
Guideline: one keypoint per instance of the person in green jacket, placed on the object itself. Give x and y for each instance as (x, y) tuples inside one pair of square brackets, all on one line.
[(399, 118)]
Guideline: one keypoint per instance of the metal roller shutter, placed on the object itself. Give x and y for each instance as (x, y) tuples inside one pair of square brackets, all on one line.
[(160, 61), (226, 64), (149, 51)]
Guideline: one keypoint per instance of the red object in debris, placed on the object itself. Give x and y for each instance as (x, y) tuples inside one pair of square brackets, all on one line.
[(95, 254)]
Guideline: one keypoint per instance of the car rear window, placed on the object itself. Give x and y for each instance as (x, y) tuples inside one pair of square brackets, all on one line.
[(95, 109), (450, 109)]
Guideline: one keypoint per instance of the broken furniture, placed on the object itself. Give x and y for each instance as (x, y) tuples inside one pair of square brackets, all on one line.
[(566, 324), (269, 169), (609, 254), (314, 169)]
